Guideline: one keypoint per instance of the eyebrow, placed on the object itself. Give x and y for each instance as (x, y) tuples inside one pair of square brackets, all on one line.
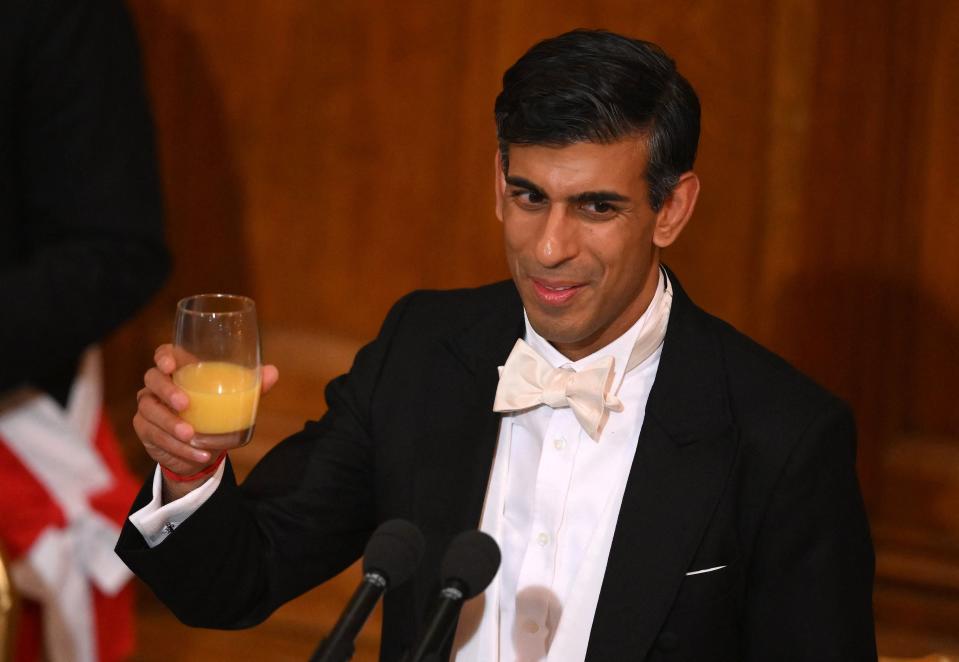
[(579, 198), (520, 182)]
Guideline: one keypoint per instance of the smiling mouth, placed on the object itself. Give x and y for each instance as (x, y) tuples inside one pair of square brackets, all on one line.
[(554, 294)]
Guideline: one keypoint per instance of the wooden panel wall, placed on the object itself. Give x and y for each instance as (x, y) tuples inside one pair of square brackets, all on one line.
[(327, 157)]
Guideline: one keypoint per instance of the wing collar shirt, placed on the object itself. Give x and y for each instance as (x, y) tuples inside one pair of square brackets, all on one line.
[(552, 504)]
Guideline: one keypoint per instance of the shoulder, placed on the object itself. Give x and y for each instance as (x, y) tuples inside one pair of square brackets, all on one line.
[(779, 410), (765, 377), (472, 299), (456, 309), (785, 422), (765, 395), (424, 320)]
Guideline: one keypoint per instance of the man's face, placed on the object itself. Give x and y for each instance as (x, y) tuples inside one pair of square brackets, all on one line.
[(579, 236)]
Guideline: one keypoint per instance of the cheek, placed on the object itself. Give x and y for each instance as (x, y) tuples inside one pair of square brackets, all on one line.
[(513, 246), (516, 234), (621, 258), (605, 250)]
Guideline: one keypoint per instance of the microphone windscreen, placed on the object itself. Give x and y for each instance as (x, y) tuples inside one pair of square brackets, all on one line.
[(394, 550), (472, 558)]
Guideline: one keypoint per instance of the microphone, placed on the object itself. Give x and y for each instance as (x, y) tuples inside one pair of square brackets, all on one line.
[(391, 555), (468, 567)]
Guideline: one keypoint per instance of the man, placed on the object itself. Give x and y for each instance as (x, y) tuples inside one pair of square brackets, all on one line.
[(660, 486)]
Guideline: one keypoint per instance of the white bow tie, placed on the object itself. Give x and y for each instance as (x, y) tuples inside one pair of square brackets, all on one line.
[(527, 380)]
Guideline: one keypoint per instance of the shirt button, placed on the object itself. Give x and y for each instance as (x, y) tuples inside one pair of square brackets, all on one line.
[(542, 539), (532, 627), (559, 443)]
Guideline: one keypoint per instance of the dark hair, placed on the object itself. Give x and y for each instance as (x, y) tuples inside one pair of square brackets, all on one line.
[(597, 86)]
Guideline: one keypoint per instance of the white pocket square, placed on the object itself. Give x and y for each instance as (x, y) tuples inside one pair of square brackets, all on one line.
[(704, 570)]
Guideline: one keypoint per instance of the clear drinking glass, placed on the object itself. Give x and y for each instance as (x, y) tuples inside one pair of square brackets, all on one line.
[(217, 348)]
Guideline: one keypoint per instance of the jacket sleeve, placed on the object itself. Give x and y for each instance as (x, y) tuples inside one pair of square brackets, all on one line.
[(809, 593), (85, 246), (303, 515)]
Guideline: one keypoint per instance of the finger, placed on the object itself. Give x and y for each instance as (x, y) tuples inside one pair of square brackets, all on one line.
[(220, 442), (163, 358), (169, 357), (166, 449), (158, 414), (269, 375), (162, 386), (174, 463), (182, 357)]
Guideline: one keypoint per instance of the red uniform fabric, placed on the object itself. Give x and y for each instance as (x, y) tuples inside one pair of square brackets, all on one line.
[(28, 510)]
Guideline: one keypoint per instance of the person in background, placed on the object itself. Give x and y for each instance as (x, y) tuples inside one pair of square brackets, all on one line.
[(661, 487), (81, 249)]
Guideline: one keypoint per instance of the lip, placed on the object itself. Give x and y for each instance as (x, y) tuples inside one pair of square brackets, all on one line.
[(547, 293)]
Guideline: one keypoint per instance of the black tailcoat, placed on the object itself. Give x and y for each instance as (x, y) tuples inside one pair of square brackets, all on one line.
[(741, 462)]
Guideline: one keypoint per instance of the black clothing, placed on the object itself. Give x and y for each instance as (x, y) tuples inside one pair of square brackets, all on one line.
[(741, 462), (81, 238)]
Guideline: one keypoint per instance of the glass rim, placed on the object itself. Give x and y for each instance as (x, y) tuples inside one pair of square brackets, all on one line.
[(245, 304)]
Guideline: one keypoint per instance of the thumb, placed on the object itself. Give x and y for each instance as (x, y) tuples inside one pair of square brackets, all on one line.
[(269, 376)]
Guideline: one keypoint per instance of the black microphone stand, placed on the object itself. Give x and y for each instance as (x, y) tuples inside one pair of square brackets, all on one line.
[(338, 646), (439, 625)]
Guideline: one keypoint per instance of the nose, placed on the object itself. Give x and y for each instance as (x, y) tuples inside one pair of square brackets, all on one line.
[(557, 241)]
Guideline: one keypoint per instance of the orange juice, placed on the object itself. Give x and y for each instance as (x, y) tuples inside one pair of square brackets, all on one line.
[(223, 396)]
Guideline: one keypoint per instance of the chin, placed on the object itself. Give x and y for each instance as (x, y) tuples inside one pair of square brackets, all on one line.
[(553, 330)]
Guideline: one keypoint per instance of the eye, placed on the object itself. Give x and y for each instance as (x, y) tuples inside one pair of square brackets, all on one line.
[(600, 209), (527, 199)]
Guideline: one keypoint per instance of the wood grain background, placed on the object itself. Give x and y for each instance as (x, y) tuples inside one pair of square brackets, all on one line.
[(327, 157)]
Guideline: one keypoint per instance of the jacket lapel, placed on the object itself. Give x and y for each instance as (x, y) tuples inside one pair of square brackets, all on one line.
[(463, 435), (686, 450)]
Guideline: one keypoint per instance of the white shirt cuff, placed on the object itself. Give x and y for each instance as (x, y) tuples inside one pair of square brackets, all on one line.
[(155, 521)]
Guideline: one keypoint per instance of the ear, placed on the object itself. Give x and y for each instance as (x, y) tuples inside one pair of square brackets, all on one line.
[(499, 184), (676, 210)]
